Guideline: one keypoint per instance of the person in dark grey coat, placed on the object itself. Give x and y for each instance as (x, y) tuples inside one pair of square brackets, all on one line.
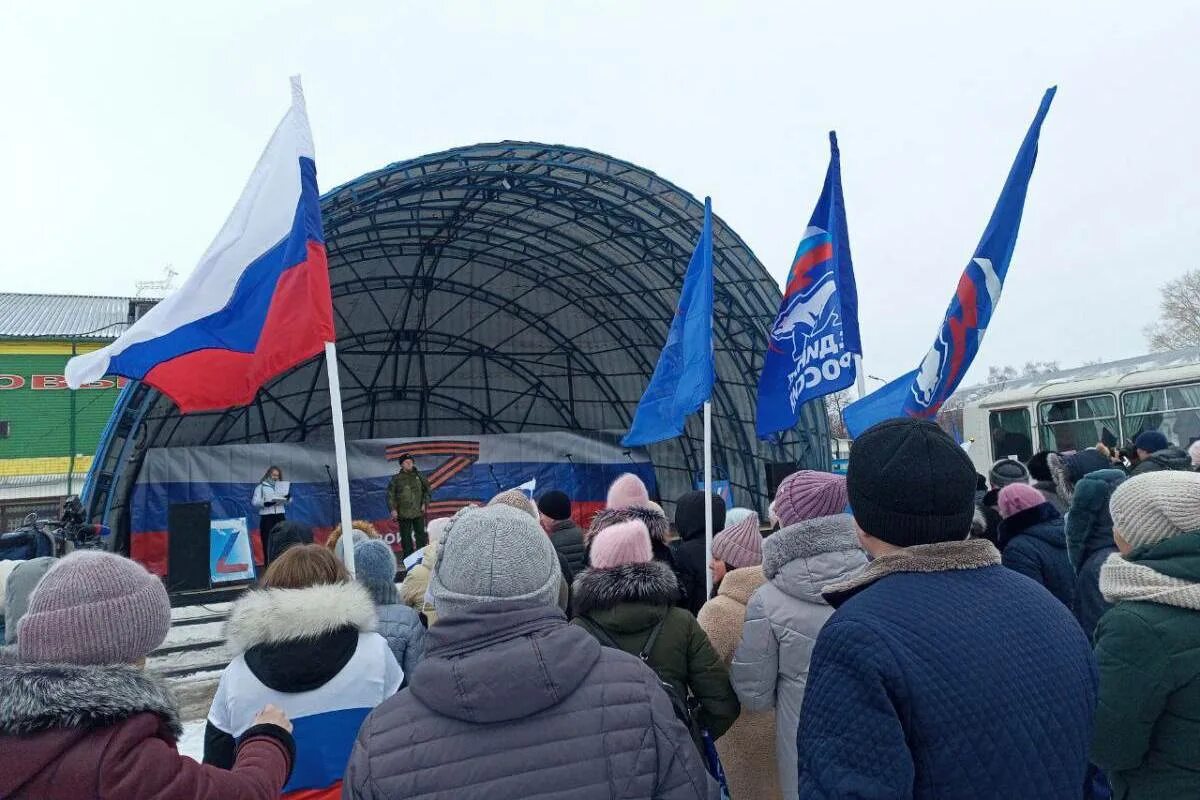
[(512, 702), (565, 535)]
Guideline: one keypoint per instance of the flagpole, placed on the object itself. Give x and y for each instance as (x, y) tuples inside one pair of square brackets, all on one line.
[(861, 378), (708, 500), (346, 544)]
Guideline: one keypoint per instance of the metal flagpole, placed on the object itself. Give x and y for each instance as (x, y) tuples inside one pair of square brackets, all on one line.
[(862, 378), (708, 514), (339, 451)]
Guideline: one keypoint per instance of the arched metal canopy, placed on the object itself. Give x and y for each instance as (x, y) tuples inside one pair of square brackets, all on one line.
[(509, 287)]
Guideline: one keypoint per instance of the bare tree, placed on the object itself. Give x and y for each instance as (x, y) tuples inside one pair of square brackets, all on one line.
[(1178, 324), (835, 406)]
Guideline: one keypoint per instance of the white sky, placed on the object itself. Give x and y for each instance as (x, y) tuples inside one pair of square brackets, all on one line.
[(128, 130)]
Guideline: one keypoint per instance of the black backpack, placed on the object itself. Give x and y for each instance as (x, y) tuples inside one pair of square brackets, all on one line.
[(679, 704)]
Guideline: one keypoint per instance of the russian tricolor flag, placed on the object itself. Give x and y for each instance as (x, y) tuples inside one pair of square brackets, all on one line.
[(257, 304)]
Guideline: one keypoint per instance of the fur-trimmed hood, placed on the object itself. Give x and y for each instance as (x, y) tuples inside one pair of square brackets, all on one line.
[(655, 523), (802, 559), (40, 697), (653, 583), (939, 557), (273, 616)]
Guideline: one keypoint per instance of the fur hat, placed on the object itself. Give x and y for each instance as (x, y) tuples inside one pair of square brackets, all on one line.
[(363, 531), (739, 545), (1151, 441), (515, 498), (490, 554), (628, 491), (1018, 497), (94, 607), (621, 544), (375, 568), (807, 495), (1150, 508)]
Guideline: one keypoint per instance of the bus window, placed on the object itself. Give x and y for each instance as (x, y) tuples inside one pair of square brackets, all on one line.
[(1010, 434), (1175, 411), (1076, 423)]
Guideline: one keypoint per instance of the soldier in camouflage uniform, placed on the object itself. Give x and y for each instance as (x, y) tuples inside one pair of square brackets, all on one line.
[(408, 495)]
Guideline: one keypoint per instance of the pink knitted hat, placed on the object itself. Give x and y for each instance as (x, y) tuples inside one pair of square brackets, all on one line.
[(806, 495), (739, 545), (628, 491), (621, 544), (1018, 497), (94, 608)]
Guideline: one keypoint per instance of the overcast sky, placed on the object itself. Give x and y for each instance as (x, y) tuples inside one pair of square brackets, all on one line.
[(129, 129)]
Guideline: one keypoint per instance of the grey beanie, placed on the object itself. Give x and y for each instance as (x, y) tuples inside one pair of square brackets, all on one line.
[(1147, 509), (375, 568), (21, 582), (1006, 471), (494, 553)]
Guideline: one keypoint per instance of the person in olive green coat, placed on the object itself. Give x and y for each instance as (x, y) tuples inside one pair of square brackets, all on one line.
[(408, 495), (626, 595), (1147, 734)]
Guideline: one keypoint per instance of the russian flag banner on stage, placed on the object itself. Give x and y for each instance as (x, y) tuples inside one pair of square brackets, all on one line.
[(257, 304)]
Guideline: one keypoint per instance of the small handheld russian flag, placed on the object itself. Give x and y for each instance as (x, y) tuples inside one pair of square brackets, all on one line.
[(257, 304)]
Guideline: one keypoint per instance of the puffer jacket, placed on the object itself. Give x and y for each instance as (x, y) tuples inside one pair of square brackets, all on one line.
[(416, 583), (944, 675), (783, 620), (747, 749), (108, 733), (688, 552), (1034, 543), (627, 603), (1170, 459), (567, 538), (315, 654), (401, 628), (1090, 542), (1148, 719), (510, 703)]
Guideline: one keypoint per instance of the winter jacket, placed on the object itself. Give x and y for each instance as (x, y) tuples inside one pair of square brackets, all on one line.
[(1050, 492), (688, 553), (312, 652), (416, 583), (259, 499), (1148, 719), (770, 669), (944, 675), (627, 603), (408, 493), (109, 732), (1090, 542), (510, 703), (747, 749), (567, 538), (400, 626), (1034, 543), (1172, 458)]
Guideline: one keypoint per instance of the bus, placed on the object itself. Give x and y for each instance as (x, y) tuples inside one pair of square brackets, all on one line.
[(1073, 409)]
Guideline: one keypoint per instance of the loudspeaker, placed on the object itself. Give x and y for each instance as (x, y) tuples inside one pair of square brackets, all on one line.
[(187, 547), (776, 472)]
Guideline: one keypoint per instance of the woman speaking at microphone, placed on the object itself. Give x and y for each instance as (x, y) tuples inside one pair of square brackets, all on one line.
[(271, 498)]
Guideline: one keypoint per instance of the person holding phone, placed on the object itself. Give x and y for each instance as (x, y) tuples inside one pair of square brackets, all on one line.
[(271, 498)]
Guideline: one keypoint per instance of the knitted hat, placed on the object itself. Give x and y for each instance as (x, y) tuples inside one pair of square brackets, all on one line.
[(436, 528), (94, 608), (806, 495), (1147, 509), (621, 544), (22, 580), (628, 491), (375, 568), (1007, 471), (739, 545), (911, 484), (1151, 441), (493, 553), (1018, 497), (515, 498), (555, 505)]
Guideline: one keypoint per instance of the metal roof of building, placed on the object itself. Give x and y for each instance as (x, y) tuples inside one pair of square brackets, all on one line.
[(30, 316)]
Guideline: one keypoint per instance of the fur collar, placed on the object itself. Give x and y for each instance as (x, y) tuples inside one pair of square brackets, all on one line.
[(655, 523), (939, 557), (1024, 520), (38, 697), (739, 584), (601, 589), (271, 616), (807, 539)]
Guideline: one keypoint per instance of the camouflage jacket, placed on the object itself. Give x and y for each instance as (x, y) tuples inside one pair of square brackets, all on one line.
[(408, 494)]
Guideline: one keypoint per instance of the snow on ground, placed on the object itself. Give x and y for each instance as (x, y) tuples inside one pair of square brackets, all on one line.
[(192, 741)]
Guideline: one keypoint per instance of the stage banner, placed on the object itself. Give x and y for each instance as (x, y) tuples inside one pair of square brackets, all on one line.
[(229, 556)]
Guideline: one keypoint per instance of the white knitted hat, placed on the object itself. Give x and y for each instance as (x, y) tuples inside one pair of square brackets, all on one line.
[(1150, 508)]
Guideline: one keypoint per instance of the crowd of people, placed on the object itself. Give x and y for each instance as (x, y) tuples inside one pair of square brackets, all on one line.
[(903, 632)]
